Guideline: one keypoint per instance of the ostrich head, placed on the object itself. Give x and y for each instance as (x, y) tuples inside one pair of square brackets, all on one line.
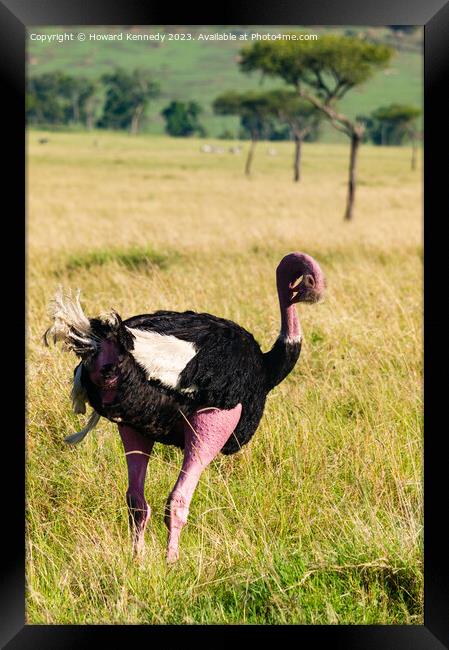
[(299, 279), (99, 342), (115, 341)]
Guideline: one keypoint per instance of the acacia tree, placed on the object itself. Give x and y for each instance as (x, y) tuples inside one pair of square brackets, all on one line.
[(255, 111), (391, 125), (301, 116), (322, 72)]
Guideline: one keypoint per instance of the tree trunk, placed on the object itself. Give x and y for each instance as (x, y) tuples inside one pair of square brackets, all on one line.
[(135, 122), (355, 143), (249, 159), (414, 151), (75, 108), (297, 159)]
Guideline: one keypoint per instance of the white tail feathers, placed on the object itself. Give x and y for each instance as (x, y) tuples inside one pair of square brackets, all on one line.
[(73, 328), (70, 324), (75, 438)]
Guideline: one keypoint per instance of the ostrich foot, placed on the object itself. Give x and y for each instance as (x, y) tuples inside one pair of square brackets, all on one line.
[(176, 513), (139, 513)]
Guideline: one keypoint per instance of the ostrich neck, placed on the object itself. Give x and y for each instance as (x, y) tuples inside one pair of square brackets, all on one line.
[(290, 327)]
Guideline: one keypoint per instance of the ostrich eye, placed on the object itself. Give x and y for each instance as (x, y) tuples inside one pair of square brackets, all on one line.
[(297, 282)]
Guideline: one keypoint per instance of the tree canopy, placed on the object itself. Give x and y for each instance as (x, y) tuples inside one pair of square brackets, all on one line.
[(57, 98), (300, 115), (392, 124), (254, 109), (330, 66), (182, 119), (127, 96)]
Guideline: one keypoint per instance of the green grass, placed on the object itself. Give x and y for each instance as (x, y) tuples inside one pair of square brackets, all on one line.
[(136, 257), (319, 519), (201, 70)]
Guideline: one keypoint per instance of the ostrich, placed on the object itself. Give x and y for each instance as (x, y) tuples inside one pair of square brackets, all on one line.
[(191, 380)]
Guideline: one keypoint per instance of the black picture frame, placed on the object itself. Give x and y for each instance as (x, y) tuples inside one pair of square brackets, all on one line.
[(15, 16)]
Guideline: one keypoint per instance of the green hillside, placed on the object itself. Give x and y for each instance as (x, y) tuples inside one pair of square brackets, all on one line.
[(200, 70)]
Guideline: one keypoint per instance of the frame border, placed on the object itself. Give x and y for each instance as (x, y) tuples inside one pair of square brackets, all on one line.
[(15, 16)]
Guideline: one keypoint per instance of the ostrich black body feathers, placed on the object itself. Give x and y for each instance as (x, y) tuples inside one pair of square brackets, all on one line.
[(227, 368)]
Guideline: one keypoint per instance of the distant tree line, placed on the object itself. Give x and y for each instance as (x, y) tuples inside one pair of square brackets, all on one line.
[(317, 76), (58, 98), (117, 100)]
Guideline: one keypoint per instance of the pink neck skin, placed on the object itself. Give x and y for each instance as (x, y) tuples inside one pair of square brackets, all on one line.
[(290, 327)]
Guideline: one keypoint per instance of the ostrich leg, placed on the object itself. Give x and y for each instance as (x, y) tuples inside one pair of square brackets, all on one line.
[(205, 433), (137, 451)]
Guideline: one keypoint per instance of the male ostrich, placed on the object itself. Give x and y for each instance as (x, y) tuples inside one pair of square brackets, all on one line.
[(195, 381)]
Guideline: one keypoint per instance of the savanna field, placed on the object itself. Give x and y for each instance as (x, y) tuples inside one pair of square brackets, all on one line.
[(319, 519)]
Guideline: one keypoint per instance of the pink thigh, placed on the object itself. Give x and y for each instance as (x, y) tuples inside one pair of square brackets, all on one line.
[(205, 434), (207, 431), (134, 441)]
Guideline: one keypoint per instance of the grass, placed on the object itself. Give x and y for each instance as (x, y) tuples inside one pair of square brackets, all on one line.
[(319, 519), (201, 70), (135, 257)]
